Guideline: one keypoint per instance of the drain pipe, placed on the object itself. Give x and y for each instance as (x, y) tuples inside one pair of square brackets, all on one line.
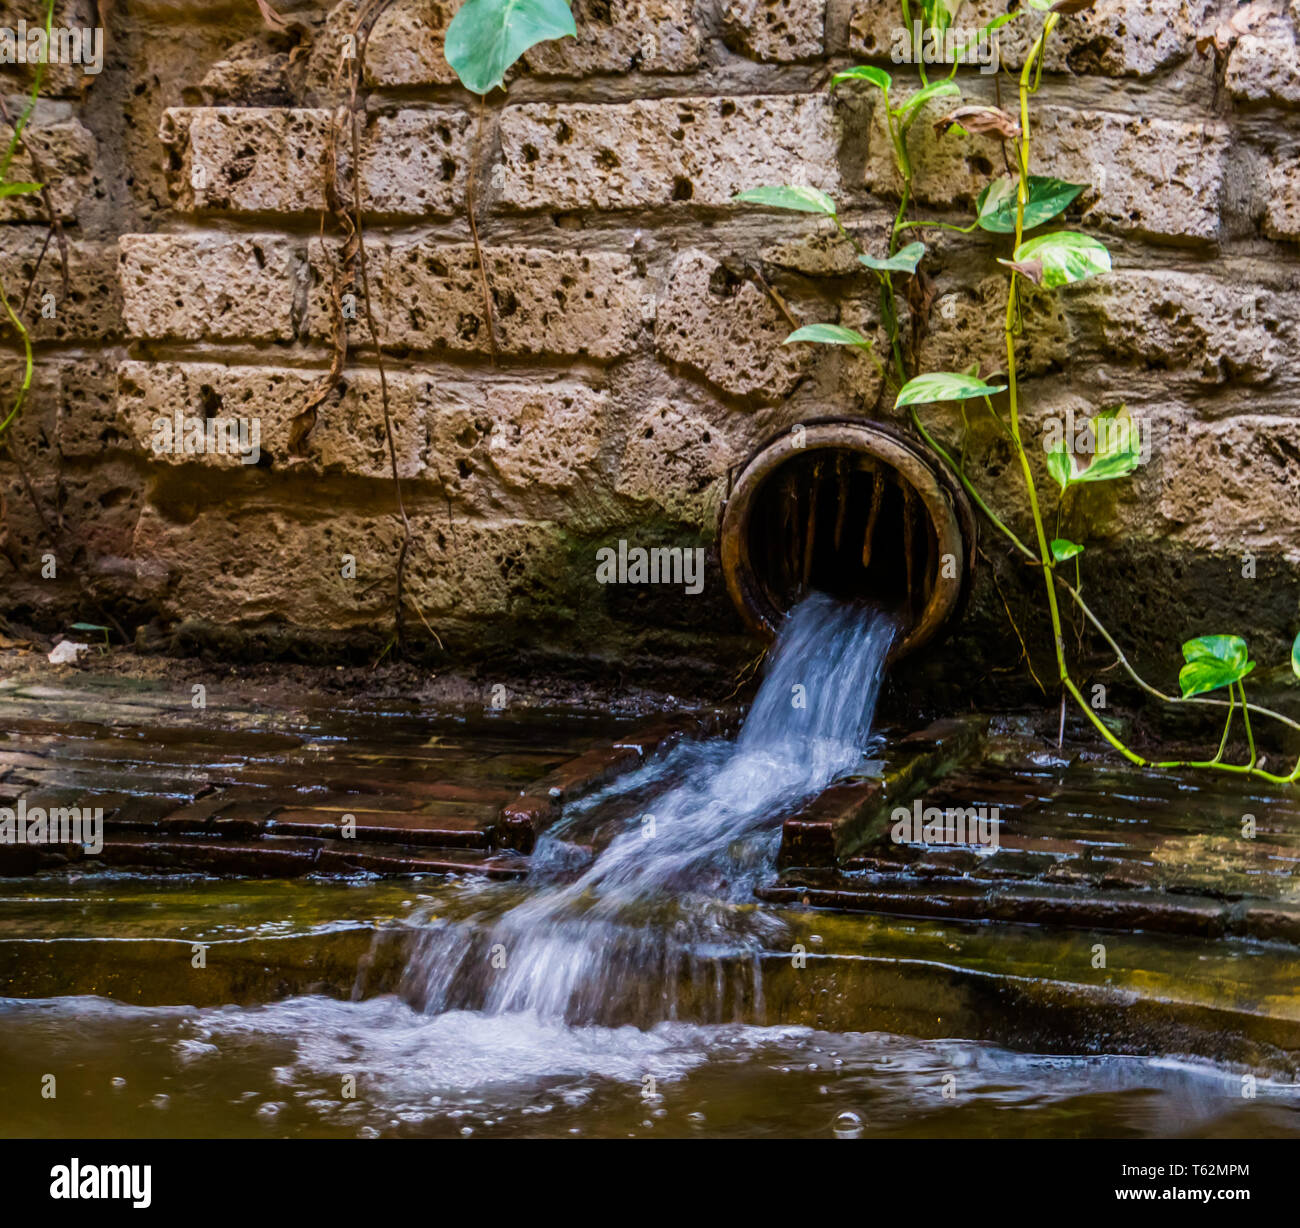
[(855, 509)]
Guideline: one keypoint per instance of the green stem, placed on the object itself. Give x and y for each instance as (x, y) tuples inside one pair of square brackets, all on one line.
[(33, 96), (961, 230), (21, 123), (1245, 716), (1013, 394), (28, 364), (1223, 741)]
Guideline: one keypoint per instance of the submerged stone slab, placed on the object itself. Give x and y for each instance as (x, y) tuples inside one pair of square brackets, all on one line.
[(540, 805), (836, 822), (1032, 989), (1076, 845)]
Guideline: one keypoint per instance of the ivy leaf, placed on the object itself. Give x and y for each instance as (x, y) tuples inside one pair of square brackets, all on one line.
[(486, 37), (944, 386), (1295, 657), (904, 260), (1060, 465), (19, 189), (1117, 451), (1063, 548), (939, 14), (906, 111), (877, 76), (1066, 257), (787, 196), (996, 207), (829, 334), (1213, 661)]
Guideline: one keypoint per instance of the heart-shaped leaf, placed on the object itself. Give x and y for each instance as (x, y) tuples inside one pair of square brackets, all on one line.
[(877, 76), (904, 260), (1213, 661), (829, 334), (1060, 465), (939, 14), (1065, 256), (996, 206), (1063, 548), (487, 36), (788, 196), (1117, 451), (944, 386)]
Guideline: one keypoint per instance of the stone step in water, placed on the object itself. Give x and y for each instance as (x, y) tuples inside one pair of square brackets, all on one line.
[(1025, 987), (1078, 842)]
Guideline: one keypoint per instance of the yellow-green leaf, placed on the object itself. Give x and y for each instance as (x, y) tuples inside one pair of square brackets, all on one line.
[(944, 386), (1065, 256), (789, 196)]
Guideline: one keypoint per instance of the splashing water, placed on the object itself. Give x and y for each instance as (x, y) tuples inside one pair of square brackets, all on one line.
[(648, 885)]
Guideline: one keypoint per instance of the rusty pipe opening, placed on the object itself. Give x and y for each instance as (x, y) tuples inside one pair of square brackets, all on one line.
[(854, 509)]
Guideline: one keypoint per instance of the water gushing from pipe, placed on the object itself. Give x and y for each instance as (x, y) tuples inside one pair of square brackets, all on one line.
[(649, 882)]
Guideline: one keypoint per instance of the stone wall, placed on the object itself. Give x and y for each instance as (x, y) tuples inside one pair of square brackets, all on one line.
[(637, 318)]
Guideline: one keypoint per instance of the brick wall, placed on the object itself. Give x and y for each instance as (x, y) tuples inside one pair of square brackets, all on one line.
[(638, 317)]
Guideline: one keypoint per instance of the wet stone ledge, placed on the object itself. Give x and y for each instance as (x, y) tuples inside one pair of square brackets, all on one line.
[(344, 797), (1081, 843)]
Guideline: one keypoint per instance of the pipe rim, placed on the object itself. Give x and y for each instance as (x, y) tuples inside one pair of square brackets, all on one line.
[(946, 505)]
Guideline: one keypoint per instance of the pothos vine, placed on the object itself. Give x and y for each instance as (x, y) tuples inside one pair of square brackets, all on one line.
[(1013, 206)]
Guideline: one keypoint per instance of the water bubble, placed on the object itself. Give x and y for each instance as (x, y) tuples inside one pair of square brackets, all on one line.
[(847, 1125), (117, 1081)]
